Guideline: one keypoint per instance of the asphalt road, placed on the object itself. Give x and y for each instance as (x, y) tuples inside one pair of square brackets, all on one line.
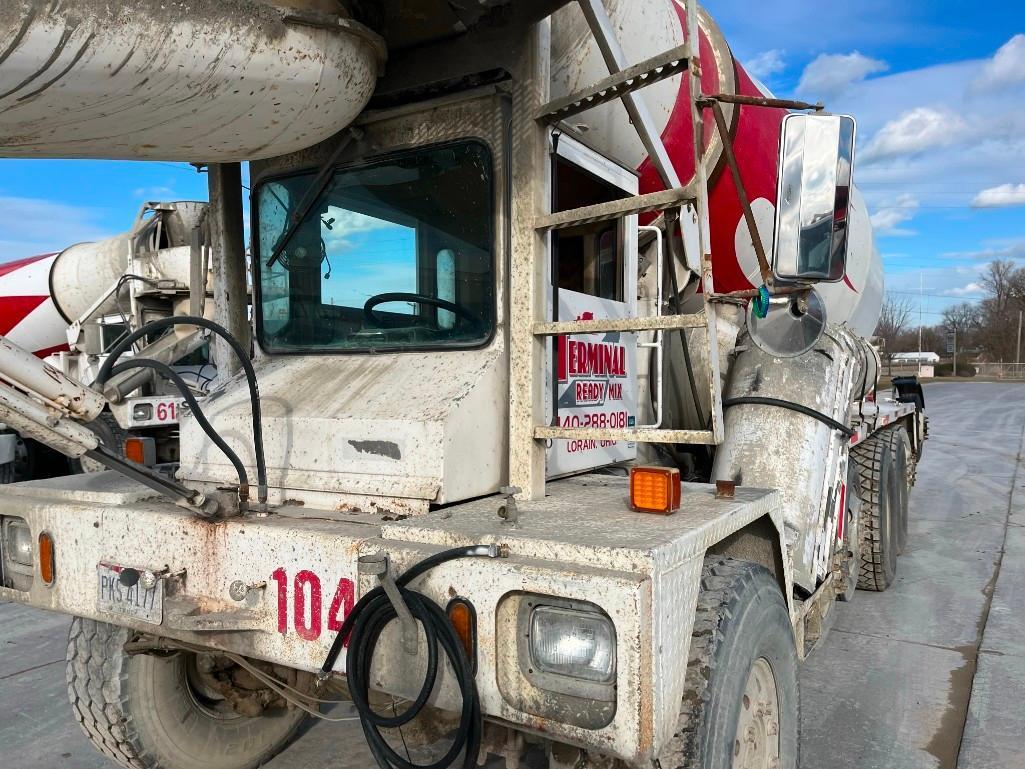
[(929, 675)]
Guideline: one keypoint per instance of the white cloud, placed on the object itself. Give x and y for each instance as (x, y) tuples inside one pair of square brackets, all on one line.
[(957, 283), (914, 132), (1008, 248), (346, 224), (30, 226), (1007, 66), (830, 74), (968, 289), (1003, 195), (156, 193), (887, 219), (766, 64), (933, 130)]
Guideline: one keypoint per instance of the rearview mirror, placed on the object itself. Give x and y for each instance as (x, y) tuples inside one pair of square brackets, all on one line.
[(816, 154)]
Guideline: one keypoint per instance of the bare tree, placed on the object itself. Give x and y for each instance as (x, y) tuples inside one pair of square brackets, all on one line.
[(894, 317), (964, 321), (933, 339), (999, 281), (893, 321), (1004, 284)]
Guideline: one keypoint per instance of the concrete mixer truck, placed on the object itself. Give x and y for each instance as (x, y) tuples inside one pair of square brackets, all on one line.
[(561, 429), (69, 308)]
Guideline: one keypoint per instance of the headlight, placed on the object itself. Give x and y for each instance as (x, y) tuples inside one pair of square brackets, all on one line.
[(18, 540), (142, 412), (573, 643)]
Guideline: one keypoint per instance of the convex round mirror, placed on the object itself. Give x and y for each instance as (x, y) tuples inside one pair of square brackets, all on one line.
[(792, 325)]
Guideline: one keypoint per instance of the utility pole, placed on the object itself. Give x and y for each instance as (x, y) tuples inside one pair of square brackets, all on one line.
[(955, 349), (1017, 356), (921, 298)]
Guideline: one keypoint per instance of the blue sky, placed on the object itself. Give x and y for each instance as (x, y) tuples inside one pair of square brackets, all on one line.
[(938, 89), (939, 92), (46, 205)]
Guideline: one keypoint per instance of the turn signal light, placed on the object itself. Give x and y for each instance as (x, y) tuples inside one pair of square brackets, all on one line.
[(464, 620), (47, 559), (655, 489), (142, 451)]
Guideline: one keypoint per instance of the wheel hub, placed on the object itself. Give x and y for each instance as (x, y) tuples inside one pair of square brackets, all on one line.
[(200, 680), (757, 742)]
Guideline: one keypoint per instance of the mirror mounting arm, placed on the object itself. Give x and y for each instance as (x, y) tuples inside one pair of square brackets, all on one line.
[(759, 101), (741, 296), (738, 182)]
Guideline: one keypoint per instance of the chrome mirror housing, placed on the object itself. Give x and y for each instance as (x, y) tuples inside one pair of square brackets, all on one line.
[(813, 198)]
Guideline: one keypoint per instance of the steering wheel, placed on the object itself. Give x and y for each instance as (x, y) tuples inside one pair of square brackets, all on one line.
[(372, 319)]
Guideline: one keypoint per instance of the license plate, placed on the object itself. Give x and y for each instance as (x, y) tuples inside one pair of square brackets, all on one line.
[(114, 597)]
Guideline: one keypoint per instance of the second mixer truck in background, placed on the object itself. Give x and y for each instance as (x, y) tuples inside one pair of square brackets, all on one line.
[(70, 308)]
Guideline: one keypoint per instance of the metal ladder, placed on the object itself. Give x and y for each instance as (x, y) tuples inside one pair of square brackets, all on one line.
[(622, 84)]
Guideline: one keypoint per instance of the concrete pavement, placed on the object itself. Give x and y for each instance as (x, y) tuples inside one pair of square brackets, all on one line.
[(930, 671), (901, 673)]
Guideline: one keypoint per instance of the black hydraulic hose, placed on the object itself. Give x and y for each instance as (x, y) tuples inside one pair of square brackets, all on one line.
[(362, 629), (166, 371), (756, 400), (243, 356)]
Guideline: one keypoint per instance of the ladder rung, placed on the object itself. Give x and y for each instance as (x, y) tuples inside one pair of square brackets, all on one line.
[(665, 65), (638, 434), (657, 323), (616, 209)]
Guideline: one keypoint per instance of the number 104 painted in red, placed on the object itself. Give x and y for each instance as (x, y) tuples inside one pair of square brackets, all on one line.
[(306, 596)]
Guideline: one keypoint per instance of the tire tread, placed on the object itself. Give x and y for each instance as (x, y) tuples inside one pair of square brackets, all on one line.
[(723, 581), (95, 680), (868, 459)]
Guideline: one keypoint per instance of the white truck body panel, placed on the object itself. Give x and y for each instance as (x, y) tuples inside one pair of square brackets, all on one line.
[(595, 550)]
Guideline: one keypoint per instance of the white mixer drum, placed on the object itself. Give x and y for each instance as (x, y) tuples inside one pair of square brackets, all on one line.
[(190, 80), (646, 28)]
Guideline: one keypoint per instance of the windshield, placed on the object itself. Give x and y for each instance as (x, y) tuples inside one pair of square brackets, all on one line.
[(394, 254)]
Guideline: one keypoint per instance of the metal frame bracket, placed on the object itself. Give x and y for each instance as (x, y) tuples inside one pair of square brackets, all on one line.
[(378, 565)]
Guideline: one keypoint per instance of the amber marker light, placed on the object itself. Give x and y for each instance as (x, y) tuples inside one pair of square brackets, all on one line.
[(135, 451), (464, 619), (655, 489), (47, 559)]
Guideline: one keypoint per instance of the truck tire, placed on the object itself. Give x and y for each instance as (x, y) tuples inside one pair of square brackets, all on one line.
[(141, 712), (900, 451), (741, 706), (879, 494), (110, 434)]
